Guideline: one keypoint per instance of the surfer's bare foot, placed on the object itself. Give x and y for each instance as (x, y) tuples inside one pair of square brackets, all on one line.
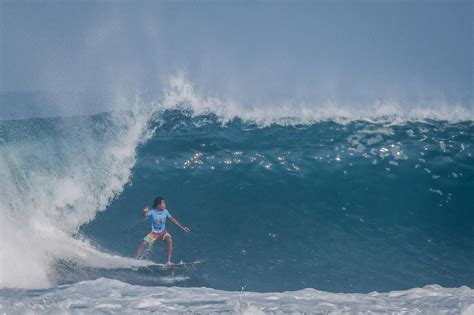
[(169, 262)]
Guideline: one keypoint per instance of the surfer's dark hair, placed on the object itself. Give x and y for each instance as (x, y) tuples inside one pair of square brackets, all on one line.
[(157, 202)]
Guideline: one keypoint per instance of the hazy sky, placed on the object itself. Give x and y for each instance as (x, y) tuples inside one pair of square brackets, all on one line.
[(265, 50)]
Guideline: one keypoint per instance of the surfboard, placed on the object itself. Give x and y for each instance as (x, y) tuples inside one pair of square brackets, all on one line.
[(173, 265)]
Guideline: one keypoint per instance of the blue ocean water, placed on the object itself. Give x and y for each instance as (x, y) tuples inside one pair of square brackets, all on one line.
[(346, 207)]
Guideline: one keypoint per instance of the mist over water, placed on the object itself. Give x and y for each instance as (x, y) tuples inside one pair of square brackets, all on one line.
[(86, 57)]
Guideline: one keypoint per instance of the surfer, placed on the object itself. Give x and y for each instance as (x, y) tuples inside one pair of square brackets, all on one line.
[(158, 216)]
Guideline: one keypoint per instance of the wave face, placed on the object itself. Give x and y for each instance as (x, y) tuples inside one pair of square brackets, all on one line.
[(344, 208)]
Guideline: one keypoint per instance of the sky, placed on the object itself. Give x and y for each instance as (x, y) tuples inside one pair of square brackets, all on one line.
[(252, 51)]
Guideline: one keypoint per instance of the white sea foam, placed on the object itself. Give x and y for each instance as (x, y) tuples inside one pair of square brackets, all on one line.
[(52, 186), (106, 295)]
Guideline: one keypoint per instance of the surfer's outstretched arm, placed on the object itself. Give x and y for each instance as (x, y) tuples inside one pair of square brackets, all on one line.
[(175, 222)]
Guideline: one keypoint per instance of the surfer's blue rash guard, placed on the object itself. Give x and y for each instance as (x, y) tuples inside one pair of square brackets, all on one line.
[(158, 220)]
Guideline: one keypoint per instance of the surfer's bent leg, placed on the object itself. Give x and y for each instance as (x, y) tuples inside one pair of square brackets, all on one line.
[(169, 244), (140, 249), (148, 240)]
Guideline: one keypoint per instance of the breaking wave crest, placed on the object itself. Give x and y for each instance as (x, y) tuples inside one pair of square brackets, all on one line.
[(182, 94)]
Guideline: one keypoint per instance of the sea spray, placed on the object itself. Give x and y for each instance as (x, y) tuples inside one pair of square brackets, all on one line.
[(56, 173)]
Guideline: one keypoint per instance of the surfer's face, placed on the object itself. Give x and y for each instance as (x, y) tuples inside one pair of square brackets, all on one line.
[(162, 205)]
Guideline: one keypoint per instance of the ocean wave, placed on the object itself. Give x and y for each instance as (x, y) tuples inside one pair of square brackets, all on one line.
[(63, 172)]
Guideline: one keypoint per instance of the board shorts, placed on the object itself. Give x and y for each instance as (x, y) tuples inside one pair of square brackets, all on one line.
[(151, 237)]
